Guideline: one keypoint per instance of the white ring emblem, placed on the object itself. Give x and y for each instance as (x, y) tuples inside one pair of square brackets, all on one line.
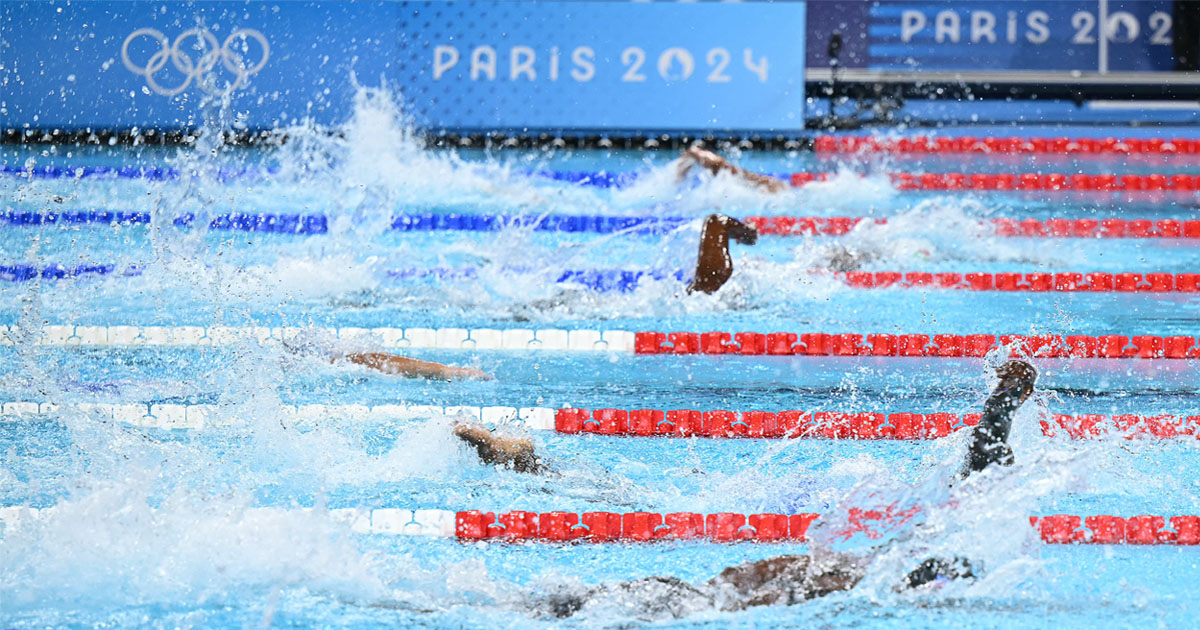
[(195, 70)]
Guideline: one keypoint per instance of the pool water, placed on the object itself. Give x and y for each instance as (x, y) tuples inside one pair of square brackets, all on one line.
[(158, 528)]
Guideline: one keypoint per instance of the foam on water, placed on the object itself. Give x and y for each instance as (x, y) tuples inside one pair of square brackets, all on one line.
[(109, 548), (375, 164)]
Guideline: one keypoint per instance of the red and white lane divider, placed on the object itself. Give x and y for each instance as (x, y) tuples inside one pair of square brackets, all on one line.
[(732, 527), (1056, 228), (1006, 145), (1038, 282), (1154, 182), (640, 527), (646, 342), (717, 423), (889, 345), (722, 423)]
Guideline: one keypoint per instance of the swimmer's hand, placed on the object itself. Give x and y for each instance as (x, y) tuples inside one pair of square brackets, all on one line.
[(707, 159), (515, 453), (454, 373)]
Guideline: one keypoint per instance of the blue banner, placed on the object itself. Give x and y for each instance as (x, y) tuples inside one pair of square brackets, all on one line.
[(1016, 35), (461, 66), (608, 65)]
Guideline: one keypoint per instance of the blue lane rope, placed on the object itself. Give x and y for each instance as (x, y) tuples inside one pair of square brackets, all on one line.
[(604, 280), (598, 179), (238, 221), (600, 224), (54, 271), (307, 224), (152, 173)]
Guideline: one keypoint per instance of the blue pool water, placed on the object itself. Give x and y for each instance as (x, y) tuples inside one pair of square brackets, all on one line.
[(153, 527)]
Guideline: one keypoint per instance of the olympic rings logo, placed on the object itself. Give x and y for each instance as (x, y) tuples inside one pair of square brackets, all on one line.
[(196, 69)]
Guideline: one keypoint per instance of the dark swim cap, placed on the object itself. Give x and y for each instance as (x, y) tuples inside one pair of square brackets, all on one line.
[(1017, 375)]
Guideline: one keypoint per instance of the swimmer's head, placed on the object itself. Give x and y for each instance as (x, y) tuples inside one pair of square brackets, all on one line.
[(1016, 379)]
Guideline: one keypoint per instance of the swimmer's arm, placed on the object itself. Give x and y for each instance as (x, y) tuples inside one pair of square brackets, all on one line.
[(766, 182), (747, 577), (989, 439), (397, 365), (787, 579), (516, 453), (713, 264), (715, 164)]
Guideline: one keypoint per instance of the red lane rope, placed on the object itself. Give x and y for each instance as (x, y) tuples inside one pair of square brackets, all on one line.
[(1058, 228), (518, 525), (1180, 182), (1063, 282), (991, 144), (722, 423), (887, 345)]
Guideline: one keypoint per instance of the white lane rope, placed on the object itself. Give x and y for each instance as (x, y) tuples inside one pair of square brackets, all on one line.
[(387, 521), (444, 338), (176, 416)]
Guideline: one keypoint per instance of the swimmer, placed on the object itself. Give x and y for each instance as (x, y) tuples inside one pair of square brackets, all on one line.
[(778, 581), (515, 453), (988, 443), (396, 365), (714, 243), (390, 364), (715, 164), (714, 266), (784, 579)]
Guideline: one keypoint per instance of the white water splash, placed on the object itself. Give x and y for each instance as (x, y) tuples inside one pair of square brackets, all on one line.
[(109, 548)]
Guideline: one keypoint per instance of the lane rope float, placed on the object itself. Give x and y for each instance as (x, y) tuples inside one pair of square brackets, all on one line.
[(518, 526), (677, 423)]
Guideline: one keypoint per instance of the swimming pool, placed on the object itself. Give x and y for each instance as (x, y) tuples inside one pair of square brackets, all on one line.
[(243, 521)]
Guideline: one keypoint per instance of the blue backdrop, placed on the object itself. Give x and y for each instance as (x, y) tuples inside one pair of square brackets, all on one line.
[(1059, 35), (462, 66)]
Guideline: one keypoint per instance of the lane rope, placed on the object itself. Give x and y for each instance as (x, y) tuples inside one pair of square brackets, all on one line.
[(642, 343), (151, 173), (595, 279), (1048, 228), (1156, 182), (272, 223), (641, 527), (1007, 145), (1037, 282), (383, 337), (309, 224), (917, 345), (677, 423), (835, 425), (625, 281), (1103, 182)]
